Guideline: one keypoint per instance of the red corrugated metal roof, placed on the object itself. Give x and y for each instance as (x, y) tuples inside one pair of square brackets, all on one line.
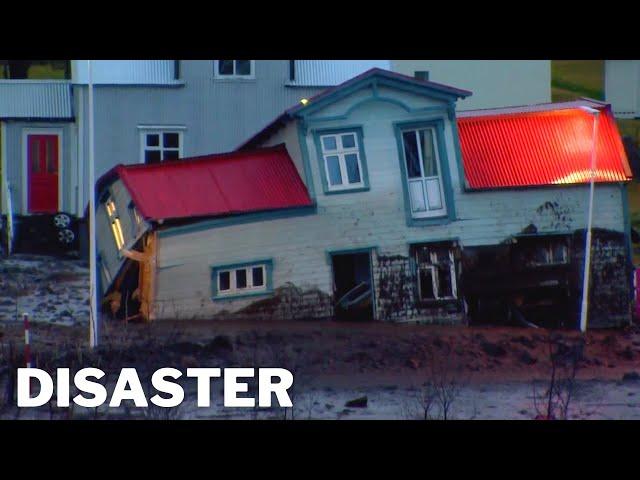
[(213, 185), (546, 144)]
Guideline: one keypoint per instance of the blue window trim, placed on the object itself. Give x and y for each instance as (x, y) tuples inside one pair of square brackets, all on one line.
[(346, 251), (357, 129), (217, 268), (438, 125)]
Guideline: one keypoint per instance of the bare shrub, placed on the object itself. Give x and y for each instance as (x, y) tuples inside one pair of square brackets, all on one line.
[(564, 359)]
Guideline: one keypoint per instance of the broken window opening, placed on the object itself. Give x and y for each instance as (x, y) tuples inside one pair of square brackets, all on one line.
[(544, 252), (436, 272)]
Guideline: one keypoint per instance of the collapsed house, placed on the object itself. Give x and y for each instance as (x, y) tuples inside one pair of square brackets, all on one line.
[(375, 200)]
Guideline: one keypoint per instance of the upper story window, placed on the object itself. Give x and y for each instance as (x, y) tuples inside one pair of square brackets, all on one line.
[(116, 226), (242, 279), (342, 161), (35, 69), (234, 68), (160, 145), (426, 189)]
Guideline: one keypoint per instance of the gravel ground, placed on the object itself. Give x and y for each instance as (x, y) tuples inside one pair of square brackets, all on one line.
[(49, 289)]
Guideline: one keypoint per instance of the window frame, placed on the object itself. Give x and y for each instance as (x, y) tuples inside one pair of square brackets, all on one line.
[(359, 149), (114, 222), (233, 292), (147, 130), (423, 178), (449, 213), (433, 266), (234, 76)]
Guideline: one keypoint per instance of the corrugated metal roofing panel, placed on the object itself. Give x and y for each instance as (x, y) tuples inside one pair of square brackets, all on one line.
[(544, 146), (125, 72), (35, 99), (213, 185), (327, 73)]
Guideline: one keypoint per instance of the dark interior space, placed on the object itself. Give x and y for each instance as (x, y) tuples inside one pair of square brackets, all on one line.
[(524, 283), (123, 301), (353, 287)]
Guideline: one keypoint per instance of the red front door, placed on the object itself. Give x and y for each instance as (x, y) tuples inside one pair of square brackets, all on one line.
[(43, 165)]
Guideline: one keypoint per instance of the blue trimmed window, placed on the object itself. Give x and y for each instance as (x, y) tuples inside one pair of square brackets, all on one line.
[(342, 162), (242, 279), (425, 173)]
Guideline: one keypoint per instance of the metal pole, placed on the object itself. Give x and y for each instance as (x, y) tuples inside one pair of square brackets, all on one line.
[(27, 341), (93, 323), (587, 248)]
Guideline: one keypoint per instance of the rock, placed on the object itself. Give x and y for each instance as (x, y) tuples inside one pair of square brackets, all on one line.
[(357, 402), (493, 349), (631, 377)]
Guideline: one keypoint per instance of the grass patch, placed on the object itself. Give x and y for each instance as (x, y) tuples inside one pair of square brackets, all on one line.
[(572, 79)]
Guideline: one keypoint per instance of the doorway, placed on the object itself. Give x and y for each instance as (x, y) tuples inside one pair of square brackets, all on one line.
[(353, 286)]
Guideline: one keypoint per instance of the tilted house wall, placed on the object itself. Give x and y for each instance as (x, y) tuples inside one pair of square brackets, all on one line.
[(298, 244)]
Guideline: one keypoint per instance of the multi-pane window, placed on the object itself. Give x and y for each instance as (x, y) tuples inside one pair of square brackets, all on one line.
[(541, 252), (116, 226), (244, 279), (233, 68), (161, 145), (436, 272), (341, 161), (424, 176)]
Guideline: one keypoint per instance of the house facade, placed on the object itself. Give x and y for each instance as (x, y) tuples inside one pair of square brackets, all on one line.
[(622, 87), (400, 209), (145, 111)]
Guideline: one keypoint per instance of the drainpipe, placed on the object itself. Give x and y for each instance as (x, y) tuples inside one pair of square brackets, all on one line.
[(587, 248)]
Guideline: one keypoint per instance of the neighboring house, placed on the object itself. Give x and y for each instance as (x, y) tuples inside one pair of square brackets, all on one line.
[(145, 111), (494, 83), (375, 200), (622, 87)]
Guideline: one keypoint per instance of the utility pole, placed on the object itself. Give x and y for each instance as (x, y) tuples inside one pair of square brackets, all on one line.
[(587, 248)]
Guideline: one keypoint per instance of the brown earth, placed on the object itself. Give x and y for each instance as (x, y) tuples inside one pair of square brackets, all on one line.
[(331, 353)]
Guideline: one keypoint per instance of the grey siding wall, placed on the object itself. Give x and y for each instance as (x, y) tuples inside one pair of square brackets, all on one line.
[(374, 218), (16, 168), (217, 114)]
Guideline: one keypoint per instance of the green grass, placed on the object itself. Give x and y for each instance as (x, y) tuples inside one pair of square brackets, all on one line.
[(572, 79)]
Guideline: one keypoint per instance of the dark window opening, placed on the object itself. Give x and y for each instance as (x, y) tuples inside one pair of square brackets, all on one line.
[(35, 69)]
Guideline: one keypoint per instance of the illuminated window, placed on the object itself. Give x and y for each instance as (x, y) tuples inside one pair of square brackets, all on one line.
[(116, 226), (436, 272), (233, 68), (249, 278), (160, 145)]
